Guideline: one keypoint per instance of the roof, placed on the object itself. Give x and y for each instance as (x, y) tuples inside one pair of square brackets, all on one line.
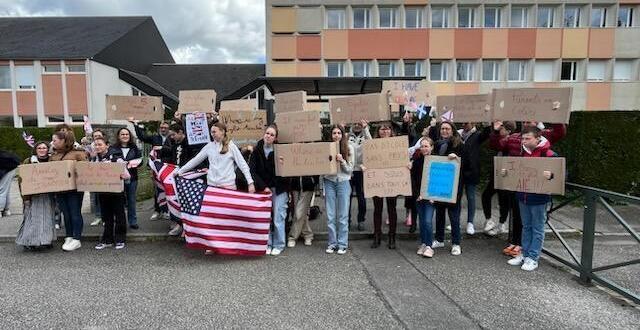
[(149, 87)]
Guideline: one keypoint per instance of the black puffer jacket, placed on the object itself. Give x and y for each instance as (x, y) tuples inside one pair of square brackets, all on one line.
[(263, 171), (471, 155)]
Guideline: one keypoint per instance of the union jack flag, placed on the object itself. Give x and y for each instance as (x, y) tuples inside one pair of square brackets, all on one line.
[(28, 139)]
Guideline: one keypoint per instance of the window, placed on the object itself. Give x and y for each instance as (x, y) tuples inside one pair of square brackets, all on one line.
[(75, 68), (543, 71), (569, 71), (413, 69), (439, 17), (413, 17), (335, 18), (491, 17), (335, 69), (360, 68), (622, 70), (545, 16), (386, 69), (25, 77), (490, 70), (464, 70), (625, 16), (5, 77), (517, 70), (438, 71), (596, 70), (361, 18), (598, 17), (571, 16), (518, 17), (51, 68), (466, 17), (388, 17)]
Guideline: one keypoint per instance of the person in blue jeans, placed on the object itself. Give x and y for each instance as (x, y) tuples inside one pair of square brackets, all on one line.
[(337, 192), (133, 158), (425, 208)]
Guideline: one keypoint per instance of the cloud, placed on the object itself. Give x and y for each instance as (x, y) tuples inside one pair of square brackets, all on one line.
[(196, 31)]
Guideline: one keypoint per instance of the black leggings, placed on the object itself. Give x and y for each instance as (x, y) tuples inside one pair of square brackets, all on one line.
[(504, 203), (515, 230)]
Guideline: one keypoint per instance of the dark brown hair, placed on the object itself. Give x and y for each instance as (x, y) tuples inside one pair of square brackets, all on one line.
[(118, 143), (386, 124), (455, 138), (35, 147), (62, 126), (344, 142), (68, 138)]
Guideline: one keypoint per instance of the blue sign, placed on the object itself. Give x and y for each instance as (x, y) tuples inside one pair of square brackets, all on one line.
[(442, 181)]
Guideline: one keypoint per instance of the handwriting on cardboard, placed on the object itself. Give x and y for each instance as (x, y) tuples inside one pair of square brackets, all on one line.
[(298, 159), (549, 105), (352, 109), (386, 152), (197, 128), (301, 126), (473, 108), (244, 125), (525, 174), (99, 177), (387, 182), (290, 101), (47, 177), (197, 101), (406, 92), (145, 108)]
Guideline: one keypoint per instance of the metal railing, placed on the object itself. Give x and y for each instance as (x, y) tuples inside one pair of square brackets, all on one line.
[(584, 264)]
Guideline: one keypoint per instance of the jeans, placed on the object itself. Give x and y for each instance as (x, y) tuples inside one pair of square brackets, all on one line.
[(357, 185), (5, 189), (337, 196), (70, 204), (277, 234), (95, 204), (425, 214), (378, 203), (130, 190), (454, 217), (115, 223), (470, 191), (533, 219)]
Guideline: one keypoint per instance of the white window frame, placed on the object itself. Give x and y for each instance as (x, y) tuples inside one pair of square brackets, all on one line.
[(341, 71), (468, 74), (25, 87), (444, 15), (392, 68), (549, 15), (417, 69), (419, 17), (495, 70), (522, 70), (444, 70), (575, 20), (573, 70), (497, 14), (628, 22), (525, 19), (622, 73), (367, 68), (342, 19), (603, 16), (470, 18), (393, 17), (601, 66), (45, 71), (68, 68), (8, 70), (543, 71), (367, 17)]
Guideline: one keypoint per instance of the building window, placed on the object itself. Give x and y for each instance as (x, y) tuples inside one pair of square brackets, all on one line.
[(569, 70), (360, 68), (598, 17), (51, 68), (335, 69), (517, 70), (25, 77), (386, 69), (75, 68), (490, 70), (622, 70), (413, 17), (543, 71), (413, 69), (466, 17), (491, 17), (518, 17), (361, 18), (545, 16), (5, 77), (335, 18), (596, 70), (571, 16), (464, 70), (438, 71), (625, 16), (388, 17), (439, 17)]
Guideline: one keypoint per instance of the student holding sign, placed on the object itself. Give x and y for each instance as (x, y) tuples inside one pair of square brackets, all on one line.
[(473, 139), (357, 135), (156, 141), (133, 158), (424, 208)]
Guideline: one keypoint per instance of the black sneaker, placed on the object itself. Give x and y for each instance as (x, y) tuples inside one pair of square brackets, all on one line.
[(360, 226), (134, 227)]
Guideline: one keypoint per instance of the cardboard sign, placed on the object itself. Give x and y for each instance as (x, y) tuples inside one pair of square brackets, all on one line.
[(197, 101), (197, 128), (387, 182), (386, 152), (301, 126), (145, 108), (405, 92), (240, 105), (297, 159), (440, 177), (244, 127), (525, 174), (548, 105), (47, 177), (99, 177), (290, 101), (352, 109), (467, 108)]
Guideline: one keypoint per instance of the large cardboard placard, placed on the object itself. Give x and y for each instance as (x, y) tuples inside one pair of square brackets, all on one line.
[(386, 152), (525, 174), (197, 128), (47, 177), (99, 177), (352, 109), (405, 92), (387, 182), (240, 105), (297, 159), (145, 108), (197, 101), (440, 177), (301, 126), (475, 108), (548, 105), (244, 127), (290, 101)]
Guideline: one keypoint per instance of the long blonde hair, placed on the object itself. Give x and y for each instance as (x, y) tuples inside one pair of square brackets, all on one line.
[(225, 140)]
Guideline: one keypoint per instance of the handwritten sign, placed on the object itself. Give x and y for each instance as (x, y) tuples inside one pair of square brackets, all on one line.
[(525, 174), (301, 126), (440, 177), (244, 127), (145, 108), (297, 159), (352, 109), (99, 177), (548, 105), (290, 101), (197, 101), (47, 177), (474, 108), (197, 128), (405, 92), (387, 182), (386, 152), (240, 105)]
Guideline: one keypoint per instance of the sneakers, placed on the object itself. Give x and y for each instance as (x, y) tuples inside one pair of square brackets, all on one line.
[(470, 229), (268, 252), (275, 251), (455, 250), (342, 251), (119, 246), (408, 221), (73, 245), (102, 246), (166, 216), (57, 226), (96, 222), (155, 216), (6, 213), (437, 244), (489, 225), (421, 249), (515, 251), (291, 243), (503, 228), (307, 241), (134, 226), (448, 228), (330, 250), (507, 250), (529, 264), (175, 231), (516, 261), (428, 252)]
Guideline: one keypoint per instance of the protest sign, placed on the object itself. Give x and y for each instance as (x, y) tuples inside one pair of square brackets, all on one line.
[(99, 177), (405, 92), (352, 109), (47, 177), (548, 105), (525, 174), (290, 101), (240, 105), (145, 108), (387, 182), (440, 177), (297, 159), (197, 101), (386, 152), (301, 126), (244, 127), (466, 108), (197, 128)]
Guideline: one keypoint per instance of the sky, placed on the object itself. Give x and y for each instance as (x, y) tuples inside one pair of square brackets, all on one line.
[(196, 31)]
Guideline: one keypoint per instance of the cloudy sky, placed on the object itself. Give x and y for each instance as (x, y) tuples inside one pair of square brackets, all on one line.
[(196, 31)]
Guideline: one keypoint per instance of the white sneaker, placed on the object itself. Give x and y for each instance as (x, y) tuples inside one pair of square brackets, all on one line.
[(529, 264), (448, 228), (119, 246), (96, 222), (268, 252), (6, 213), (342, 251), (155, 216), (503, 228), (516, 261), (291, 243), (470, 229), (57, 226), (455, 250), (275, 252), (330, 250), (67, 240), (102, 246), (307, 241), (490, 224), (73, 245), (428, 252), (437, 244), (422, 248), (175, 231)]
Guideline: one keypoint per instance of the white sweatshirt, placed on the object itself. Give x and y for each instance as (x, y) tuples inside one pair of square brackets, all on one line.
[(222, 167)]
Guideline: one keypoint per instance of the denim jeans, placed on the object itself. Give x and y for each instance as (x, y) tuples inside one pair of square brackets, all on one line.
[(425, 214), (470, 191), (277, 233), (337, 195), (533, 219), (70, 204), (130, 190)]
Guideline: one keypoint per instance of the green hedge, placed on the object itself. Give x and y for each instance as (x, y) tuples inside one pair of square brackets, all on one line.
[(11, 138)]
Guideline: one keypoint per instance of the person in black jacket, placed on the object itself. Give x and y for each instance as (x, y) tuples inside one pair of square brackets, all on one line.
[(133, 158), (470, 169), (8, 167)]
